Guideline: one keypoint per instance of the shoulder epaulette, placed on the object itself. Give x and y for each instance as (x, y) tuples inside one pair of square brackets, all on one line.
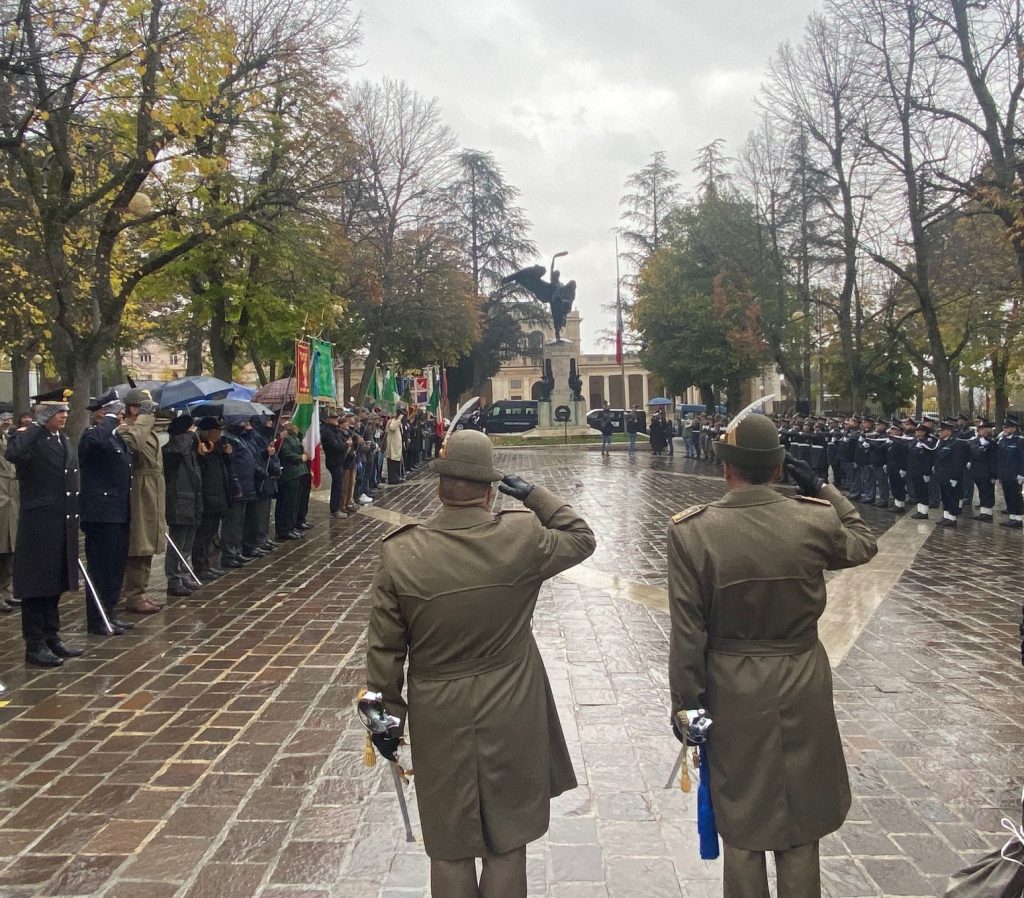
[(813, 499), (515, 511), (690, 512), (399, 529)]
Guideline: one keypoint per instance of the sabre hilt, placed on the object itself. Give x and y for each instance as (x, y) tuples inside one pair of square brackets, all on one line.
[(697, 725)]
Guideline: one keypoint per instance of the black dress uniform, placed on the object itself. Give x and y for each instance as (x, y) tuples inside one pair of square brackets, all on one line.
[(982, 452), (896, 469), (949, 468), (48, 483), (847, 450), (106, 514), (920, 459), (878, 450), (1009, 469), (865, 488)]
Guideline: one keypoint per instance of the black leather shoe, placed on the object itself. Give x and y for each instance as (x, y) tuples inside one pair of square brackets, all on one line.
[(245, 557), (123, 624), (216, 570), (946, 522), (296, 534), (180, 591), (1013, 525), (14, 603), (269, 545), (232, 563), (984, 518), (255, 551), (208, 576), (42, 657), (5, 608), (64, 651), (917, 516), (305, 525), (99, 631)]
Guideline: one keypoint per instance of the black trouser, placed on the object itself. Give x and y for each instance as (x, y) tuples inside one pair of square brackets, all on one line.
[(1012, 495), (898, 486), (986, 493), (920, 490), (202, 548), (305, 488), (286, 513), (849, 476), (951, 496), (184, 537), (336, 477), (231, 530), (40, 621), (394, 471), (252, 524), (106, 554)]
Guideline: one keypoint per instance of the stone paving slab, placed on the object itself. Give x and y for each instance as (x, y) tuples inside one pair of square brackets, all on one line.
[(213, 751)]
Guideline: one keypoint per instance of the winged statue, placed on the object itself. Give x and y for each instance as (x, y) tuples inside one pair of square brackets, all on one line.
[(555, 294)]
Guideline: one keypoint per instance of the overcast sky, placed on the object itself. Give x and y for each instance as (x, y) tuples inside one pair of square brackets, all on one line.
[(572, 96)]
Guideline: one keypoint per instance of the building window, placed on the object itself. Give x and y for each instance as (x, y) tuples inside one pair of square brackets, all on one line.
[(174, 358), (145, 356)]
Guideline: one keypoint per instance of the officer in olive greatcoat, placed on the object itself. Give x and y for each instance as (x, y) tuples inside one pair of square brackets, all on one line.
[(48, 523), (746, 589), (456, 594)]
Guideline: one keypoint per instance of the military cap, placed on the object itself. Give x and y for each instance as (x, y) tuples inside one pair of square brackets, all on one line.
[(921, 426), (947, 424), (208, 423), (136, 396), (179, 425), (96, 403), (1011, 421), (61, 394), (469, 456), (753, 442), (984, 422), (962, 417), (867, 419)]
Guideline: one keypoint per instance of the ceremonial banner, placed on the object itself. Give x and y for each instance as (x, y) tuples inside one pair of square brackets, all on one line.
[(373, 388), (421, 390), (322, 372), (389, 398), (302, 373)]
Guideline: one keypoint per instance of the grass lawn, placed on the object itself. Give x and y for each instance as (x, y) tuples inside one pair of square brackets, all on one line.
[(515, 440)]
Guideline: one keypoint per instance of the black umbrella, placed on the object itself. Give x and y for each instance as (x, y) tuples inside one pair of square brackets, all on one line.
[(229, 408), (186, 390)]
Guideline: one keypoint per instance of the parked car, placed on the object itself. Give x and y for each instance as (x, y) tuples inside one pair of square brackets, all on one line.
[(618, 417), (510, 416)]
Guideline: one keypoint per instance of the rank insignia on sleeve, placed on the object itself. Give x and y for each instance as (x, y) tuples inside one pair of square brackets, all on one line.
[(690, 512)]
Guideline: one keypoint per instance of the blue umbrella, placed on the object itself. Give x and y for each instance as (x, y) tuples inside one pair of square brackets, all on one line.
[(661, 400), (179, 393), (241, 391)]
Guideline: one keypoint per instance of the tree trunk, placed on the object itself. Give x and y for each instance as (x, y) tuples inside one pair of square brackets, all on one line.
[(707, 396), (194, 347), (919, 390), (20, 368), (733, 394), (346, 377), (998, 367)]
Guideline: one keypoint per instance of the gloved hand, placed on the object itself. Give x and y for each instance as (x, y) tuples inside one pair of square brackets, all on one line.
[(953, 482), (903, 473), (927, 478), (968, 466), (807, 482), (148, 407), (514, 486), (885, 469), (1020, 479), (386, 745)]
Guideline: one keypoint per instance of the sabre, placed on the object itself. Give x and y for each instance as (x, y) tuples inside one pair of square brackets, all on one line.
[(91, 590), (177, 552), (374, 716), (466, 406)]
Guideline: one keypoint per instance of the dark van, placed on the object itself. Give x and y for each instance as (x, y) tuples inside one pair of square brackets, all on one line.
[(510, 416), (618, 418)]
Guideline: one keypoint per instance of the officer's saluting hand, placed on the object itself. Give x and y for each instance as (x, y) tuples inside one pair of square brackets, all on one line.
[(514, 486)]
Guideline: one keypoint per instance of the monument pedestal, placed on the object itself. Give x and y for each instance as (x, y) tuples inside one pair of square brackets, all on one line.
[(548, 424)]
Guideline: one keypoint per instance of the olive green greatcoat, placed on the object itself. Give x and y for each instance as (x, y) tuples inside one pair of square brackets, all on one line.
[(8, 502), (746, 589), (457, 593), (148, 526)]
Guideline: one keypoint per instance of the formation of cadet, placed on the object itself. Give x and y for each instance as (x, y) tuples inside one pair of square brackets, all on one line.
[(929, 464)]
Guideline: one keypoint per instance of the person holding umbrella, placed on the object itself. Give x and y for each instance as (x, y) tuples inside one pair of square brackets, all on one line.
[(184, 501)]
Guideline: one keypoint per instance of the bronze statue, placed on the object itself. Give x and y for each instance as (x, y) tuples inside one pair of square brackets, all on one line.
[(575, 382), (557, 295), (547, 383)]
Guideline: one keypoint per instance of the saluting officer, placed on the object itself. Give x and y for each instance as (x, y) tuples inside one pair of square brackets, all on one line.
[(106, 510), (47, 564), (949, 468), (1010, 470), (920, 461), (896, 467), (456, 594), (746, 589), (982, 452)]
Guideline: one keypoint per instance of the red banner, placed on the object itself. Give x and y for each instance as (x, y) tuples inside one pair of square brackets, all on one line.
[(302, 383)]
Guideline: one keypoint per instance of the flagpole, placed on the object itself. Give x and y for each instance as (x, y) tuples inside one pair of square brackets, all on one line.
[(618, 330)]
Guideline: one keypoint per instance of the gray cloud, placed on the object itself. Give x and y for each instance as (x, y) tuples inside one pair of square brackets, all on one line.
[(572, 96)]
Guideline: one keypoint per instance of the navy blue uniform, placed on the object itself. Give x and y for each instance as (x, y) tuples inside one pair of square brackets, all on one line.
[(1009, 470), (982, 452), (949, 467)]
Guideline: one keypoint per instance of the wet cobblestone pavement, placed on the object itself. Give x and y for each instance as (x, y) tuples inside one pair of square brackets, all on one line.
[(213, 750)]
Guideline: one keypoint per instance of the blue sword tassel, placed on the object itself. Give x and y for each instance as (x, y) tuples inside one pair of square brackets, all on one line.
[(707, 829)]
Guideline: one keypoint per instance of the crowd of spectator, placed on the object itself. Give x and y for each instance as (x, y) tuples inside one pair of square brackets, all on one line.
[(210, 494)]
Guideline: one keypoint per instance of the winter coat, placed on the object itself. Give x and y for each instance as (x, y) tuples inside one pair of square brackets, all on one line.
[(8, 502), (184, 483), (746, 589), (1009, 457), (290, 453), (982, 454), (457, 593), (268, 467), (106, 474), (148, 529), (215, 477), (333, 441), (243, 466), (950, 460), (48, 520), (393, 442)]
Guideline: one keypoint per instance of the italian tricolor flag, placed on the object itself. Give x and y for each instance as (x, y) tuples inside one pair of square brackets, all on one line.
[(307, 418)]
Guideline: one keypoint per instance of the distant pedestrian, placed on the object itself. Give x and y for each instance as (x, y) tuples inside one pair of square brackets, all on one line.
[(632, 428), (606, 421), (8, 517)]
